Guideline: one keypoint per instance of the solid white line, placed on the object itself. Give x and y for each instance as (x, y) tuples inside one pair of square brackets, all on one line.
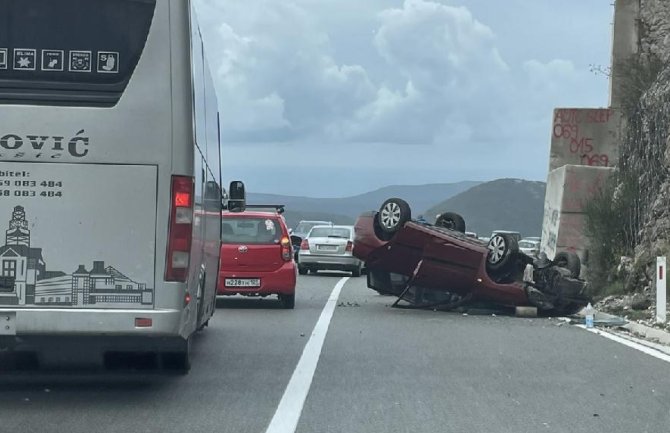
[(626, 342), (287, 415)]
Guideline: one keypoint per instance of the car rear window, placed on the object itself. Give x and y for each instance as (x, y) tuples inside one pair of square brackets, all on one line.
[(251, 231), (330, 232), (305, 227)]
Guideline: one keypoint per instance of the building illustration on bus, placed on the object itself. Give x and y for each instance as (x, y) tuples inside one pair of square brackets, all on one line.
[(25, 280)]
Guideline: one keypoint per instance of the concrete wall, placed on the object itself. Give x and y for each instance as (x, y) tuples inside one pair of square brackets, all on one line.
[(584, 136), (625, 41), (569, 188)]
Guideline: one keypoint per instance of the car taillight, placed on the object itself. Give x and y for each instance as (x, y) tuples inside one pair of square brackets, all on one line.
[(350, 247), (181, 229), (285, 249), (304, 245)]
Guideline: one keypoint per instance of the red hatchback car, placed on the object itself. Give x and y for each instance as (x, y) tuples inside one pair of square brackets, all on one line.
[(257, 256)]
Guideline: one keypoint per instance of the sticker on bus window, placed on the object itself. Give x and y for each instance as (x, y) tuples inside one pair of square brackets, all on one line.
[(24, 59), (80, 61), (52, 60), (108, 62)]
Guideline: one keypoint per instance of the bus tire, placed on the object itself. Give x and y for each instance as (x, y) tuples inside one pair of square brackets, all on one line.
[(200, 325), (179, 360)]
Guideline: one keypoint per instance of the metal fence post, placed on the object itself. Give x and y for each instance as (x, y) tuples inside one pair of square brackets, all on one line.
[(661, 285)]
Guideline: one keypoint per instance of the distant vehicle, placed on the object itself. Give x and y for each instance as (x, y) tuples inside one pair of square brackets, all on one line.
[(329, 248), (471, 234), (301, 231), (533, 238), (256, 256), (430, 265), (515, 235), (303, 227), (529, 247)]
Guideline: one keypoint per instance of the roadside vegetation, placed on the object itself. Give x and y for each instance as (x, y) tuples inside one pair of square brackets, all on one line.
[(621, 219)]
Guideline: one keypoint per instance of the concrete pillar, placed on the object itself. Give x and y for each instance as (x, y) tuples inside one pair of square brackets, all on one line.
[(625, 42)]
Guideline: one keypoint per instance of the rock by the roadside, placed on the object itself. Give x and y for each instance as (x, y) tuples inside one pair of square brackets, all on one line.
[(639, 302)]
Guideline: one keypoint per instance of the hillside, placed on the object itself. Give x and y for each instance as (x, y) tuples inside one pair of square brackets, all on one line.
[(503, 204), (418, 196)]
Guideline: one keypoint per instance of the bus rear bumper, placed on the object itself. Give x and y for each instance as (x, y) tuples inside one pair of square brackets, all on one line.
[(89, 322)]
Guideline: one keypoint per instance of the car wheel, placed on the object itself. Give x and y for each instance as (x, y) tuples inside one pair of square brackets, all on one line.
[(356, 272), (502, 251), (302, 270), (393, 214), (569, 261), (451, 221), (313, 271), (288, 301)]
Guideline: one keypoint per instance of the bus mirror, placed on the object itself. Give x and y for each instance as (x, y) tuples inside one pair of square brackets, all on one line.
[(236, 190), (213, 202), (237, 197)]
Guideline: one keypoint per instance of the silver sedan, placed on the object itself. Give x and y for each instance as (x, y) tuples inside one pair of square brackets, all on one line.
[(329, 248)]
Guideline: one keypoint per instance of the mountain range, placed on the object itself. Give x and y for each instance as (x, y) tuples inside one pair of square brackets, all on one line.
[(503, 204), (506, 204), (346, 209)]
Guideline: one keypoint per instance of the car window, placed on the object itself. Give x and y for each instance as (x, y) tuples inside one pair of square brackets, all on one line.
[(332, 232), (250, 231), (304, 227)]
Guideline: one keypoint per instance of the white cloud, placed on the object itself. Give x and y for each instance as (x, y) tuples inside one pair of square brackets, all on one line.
[(276, 78), (388, 73)]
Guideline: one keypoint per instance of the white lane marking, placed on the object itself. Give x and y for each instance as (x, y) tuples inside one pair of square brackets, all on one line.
[(637, 346), (287, 415)]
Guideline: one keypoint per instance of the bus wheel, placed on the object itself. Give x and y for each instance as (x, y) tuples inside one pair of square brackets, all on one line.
[(178, 360), (201, 307)]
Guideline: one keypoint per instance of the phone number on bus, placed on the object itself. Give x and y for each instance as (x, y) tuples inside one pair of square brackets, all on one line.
[(32, 183), (29, 193)]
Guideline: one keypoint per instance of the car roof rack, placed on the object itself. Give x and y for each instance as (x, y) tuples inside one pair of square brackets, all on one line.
[(278, 207)]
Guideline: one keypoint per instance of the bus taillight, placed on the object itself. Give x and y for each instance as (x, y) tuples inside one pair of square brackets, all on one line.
[(181, 228)]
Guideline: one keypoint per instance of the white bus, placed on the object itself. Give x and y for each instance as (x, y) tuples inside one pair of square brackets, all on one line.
[(110, 178)]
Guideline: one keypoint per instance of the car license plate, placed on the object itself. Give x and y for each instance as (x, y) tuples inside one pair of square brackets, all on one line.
[(243, 282), (328, 247)]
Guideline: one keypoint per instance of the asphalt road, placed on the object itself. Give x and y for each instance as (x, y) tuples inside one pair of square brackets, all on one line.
[(380, 370)]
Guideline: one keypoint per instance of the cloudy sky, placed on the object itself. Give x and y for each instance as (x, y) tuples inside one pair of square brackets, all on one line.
[(330, 98)]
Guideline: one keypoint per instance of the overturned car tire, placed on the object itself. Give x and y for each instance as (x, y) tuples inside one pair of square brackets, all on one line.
[(393, 214), (569, 261), (451, 221), (503, 251)]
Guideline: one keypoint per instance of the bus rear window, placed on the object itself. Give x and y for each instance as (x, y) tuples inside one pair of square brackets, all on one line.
[(70, 52)]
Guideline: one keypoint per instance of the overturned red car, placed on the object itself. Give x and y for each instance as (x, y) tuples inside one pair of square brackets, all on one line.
[(438, 265)]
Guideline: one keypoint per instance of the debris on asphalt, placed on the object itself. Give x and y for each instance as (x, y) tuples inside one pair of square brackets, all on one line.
[(348, 304), (302, 334), (525, 311)]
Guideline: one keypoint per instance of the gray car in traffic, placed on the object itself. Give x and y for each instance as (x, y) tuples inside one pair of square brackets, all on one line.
[(329, 248)]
